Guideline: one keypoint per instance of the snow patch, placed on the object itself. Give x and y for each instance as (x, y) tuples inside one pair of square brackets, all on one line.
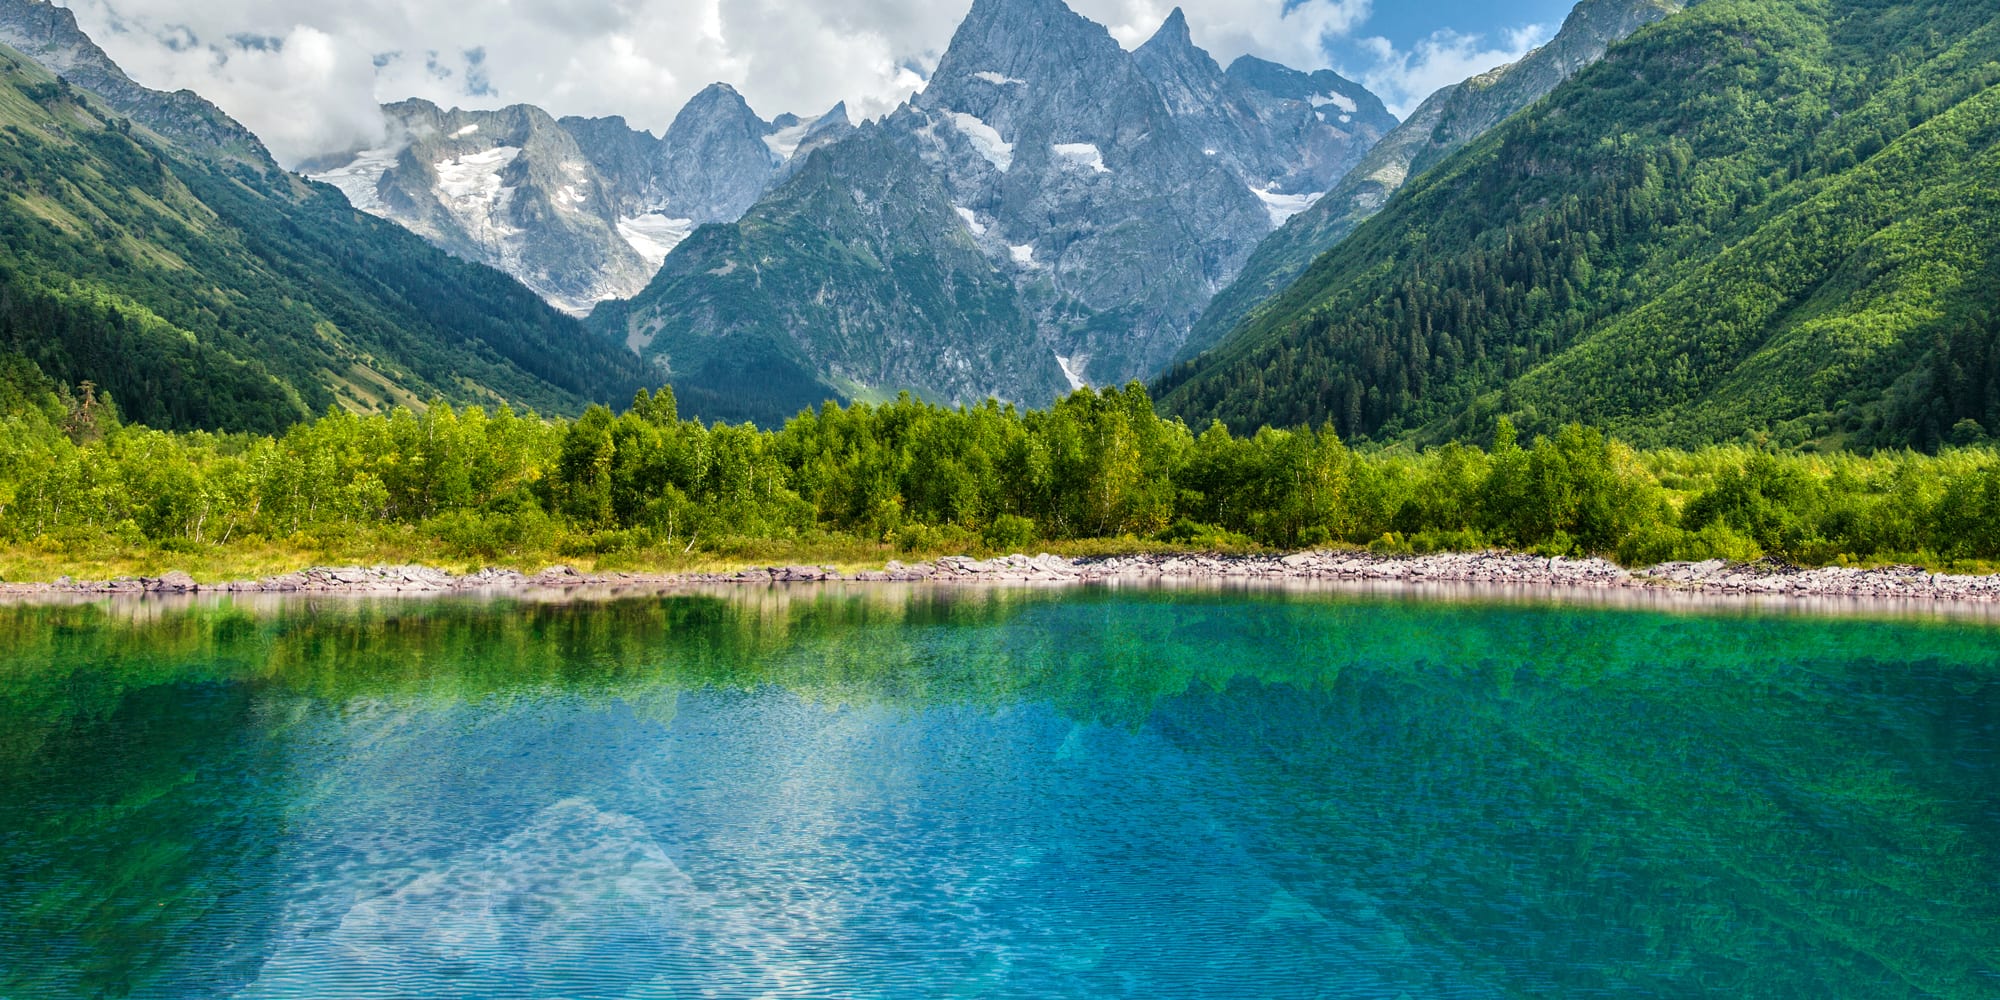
[(985, 138), (1082, 154), (1338, 100), (1346, 119), (971, 220), (568, 196), (475, 175), (462, 133), (1284, 206), (1208, 152), (471, 189), (360, 180), (1024, 255), (1072, 369), (653, 236), (784, 143), (998, 80)]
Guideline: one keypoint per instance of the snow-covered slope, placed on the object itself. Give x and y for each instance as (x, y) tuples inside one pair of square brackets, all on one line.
[(580, 210)]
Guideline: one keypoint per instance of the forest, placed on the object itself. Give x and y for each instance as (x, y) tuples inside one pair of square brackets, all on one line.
[(1098, 471), (1759, 216)]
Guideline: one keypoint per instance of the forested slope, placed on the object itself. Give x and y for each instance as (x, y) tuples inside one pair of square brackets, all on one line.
[(1774, 216), (1445, 123), (207, 291)]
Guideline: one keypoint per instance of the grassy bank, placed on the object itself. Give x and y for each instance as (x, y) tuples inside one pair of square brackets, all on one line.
[(45, 561)]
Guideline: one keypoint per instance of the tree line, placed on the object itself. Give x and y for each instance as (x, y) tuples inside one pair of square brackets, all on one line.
[(467, 483)]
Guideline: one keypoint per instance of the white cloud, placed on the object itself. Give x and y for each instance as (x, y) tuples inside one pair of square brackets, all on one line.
[(639, 58), (1404, 77), (307, 74)]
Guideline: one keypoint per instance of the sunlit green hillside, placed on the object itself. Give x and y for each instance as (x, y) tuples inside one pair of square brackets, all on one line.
[(1756, 216)]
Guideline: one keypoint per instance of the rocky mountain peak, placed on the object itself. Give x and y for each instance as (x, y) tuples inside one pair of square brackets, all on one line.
[(1173, 34), (1034, 53), (794, 141), (717, 102), (1186, 76)]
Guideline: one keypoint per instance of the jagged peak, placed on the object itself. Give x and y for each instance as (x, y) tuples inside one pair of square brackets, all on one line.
[(1173, 32), (1172, 50), (1003, 46), (719, 95), (717, 101), (989, 9), (836, 119), (600, 121), (1026, 21)]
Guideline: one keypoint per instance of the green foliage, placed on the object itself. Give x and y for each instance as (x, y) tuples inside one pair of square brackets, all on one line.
[(469, 484), (1010, 533), (200, 294), (1754, 218)]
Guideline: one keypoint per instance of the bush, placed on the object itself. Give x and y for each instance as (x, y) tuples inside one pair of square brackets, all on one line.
[(1429, 542), (1666, 543), (1390, 544), (1203, 536), (1010, 533), (916, 538), (469, 534), (923, 538)]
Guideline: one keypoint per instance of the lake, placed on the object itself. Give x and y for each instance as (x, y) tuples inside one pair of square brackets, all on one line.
[(889, 792)]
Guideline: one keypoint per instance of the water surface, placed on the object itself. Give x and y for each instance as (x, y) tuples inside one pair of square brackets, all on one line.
[(902, 793)]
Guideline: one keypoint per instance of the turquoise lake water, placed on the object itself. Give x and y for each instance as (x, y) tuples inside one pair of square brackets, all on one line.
[(907, 793)]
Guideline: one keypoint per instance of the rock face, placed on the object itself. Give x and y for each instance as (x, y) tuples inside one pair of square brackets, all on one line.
[(1079, 204), (1445, 123), (49, 35), (1289, 135), (583, 209)]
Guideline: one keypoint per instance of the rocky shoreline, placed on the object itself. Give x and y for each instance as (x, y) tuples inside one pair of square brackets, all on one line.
[(1488, 569)]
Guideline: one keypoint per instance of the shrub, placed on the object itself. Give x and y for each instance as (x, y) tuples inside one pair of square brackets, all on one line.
[(1010, 532)]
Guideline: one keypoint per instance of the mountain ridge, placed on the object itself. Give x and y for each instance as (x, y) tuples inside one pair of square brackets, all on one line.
[(1103, 218), (1714, 234), (580, 210)]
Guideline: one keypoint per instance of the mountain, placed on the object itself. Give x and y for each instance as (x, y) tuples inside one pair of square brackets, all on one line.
[(202, 287), (1769, 219), (845, 227), (581, 210), (48, 35), (1050, 210), (1290, 135), (1443, 124)]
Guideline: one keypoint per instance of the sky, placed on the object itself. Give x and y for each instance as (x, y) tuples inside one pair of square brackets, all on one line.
[(308, 76)]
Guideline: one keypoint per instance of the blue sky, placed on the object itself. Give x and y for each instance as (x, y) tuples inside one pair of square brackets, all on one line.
[(1406, 23), (1435, 43)]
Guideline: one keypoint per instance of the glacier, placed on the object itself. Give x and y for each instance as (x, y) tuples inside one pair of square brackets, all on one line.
[(985, 138)]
